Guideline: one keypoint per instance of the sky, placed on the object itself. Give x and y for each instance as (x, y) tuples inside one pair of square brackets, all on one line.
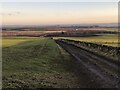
[(50, 13)]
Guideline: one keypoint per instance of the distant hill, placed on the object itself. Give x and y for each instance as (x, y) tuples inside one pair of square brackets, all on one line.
[(92, 24), (98, 24)]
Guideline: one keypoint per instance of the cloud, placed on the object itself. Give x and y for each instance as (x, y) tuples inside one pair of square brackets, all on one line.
[(10, 13)]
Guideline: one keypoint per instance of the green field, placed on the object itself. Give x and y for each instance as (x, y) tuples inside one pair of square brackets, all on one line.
[(36, 63), (15, 40), (105, 39)]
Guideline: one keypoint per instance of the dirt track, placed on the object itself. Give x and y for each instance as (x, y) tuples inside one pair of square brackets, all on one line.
[(95, 70)]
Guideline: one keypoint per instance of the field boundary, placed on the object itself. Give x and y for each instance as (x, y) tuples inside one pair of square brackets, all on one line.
[(100, 55)]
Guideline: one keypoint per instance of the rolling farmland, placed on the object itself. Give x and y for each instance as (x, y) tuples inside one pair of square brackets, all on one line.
[(59, 45), (60, 62)]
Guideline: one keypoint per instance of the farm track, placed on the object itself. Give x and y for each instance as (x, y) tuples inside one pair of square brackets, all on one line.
[(99, 70)]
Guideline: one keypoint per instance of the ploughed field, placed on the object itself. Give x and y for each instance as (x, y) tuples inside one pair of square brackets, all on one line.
[(32, 62)]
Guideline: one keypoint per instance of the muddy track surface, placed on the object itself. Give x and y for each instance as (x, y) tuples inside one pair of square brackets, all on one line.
[(98, 71)]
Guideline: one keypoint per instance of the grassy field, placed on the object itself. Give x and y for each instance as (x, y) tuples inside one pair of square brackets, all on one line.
[(6, 42), (107, 39), (36, 63)]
